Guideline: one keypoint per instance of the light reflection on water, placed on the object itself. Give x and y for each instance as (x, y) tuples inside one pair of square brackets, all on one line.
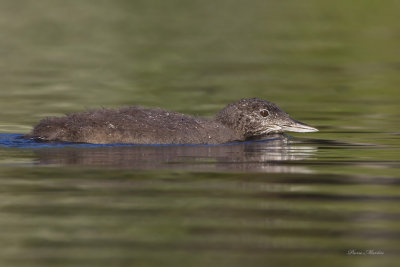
[(168, 203), (255, 156), (306, 200)]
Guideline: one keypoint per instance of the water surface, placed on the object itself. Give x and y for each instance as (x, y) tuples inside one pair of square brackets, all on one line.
[(310, 199)]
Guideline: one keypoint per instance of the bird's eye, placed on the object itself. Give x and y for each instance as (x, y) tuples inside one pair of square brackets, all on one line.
[(264, 113)]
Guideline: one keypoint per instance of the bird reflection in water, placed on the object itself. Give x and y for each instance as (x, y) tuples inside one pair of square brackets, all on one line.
[(274, 154)]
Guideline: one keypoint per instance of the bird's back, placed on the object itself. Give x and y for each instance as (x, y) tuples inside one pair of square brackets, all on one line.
[(133, 125)]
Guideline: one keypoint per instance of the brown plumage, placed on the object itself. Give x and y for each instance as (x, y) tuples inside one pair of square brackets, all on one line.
[(238, 121)]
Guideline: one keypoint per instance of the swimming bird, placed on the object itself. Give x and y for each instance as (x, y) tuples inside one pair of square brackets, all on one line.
[(238, 121)]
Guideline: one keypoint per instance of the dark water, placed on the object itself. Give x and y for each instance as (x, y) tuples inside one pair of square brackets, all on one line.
[(312, 199)]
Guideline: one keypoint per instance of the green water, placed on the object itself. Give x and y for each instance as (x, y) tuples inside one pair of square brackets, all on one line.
[(307, 201)]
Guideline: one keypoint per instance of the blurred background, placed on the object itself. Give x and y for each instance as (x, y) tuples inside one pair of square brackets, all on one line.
[(309, 199), (310, 57)]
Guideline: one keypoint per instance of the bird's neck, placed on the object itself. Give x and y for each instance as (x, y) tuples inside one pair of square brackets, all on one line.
[(234, 123)]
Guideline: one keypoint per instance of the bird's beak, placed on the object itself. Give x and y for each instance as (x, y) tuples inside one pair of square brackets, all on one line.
[(296, 126)]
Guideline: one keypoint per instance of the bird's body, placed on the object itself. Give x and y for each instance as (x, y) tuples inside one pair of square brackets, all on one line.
[(238, 121), (133, 125)]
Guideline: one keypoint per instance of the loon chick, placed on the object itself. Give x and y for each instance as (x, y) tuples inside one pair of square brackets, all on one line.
[(241, 120)]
